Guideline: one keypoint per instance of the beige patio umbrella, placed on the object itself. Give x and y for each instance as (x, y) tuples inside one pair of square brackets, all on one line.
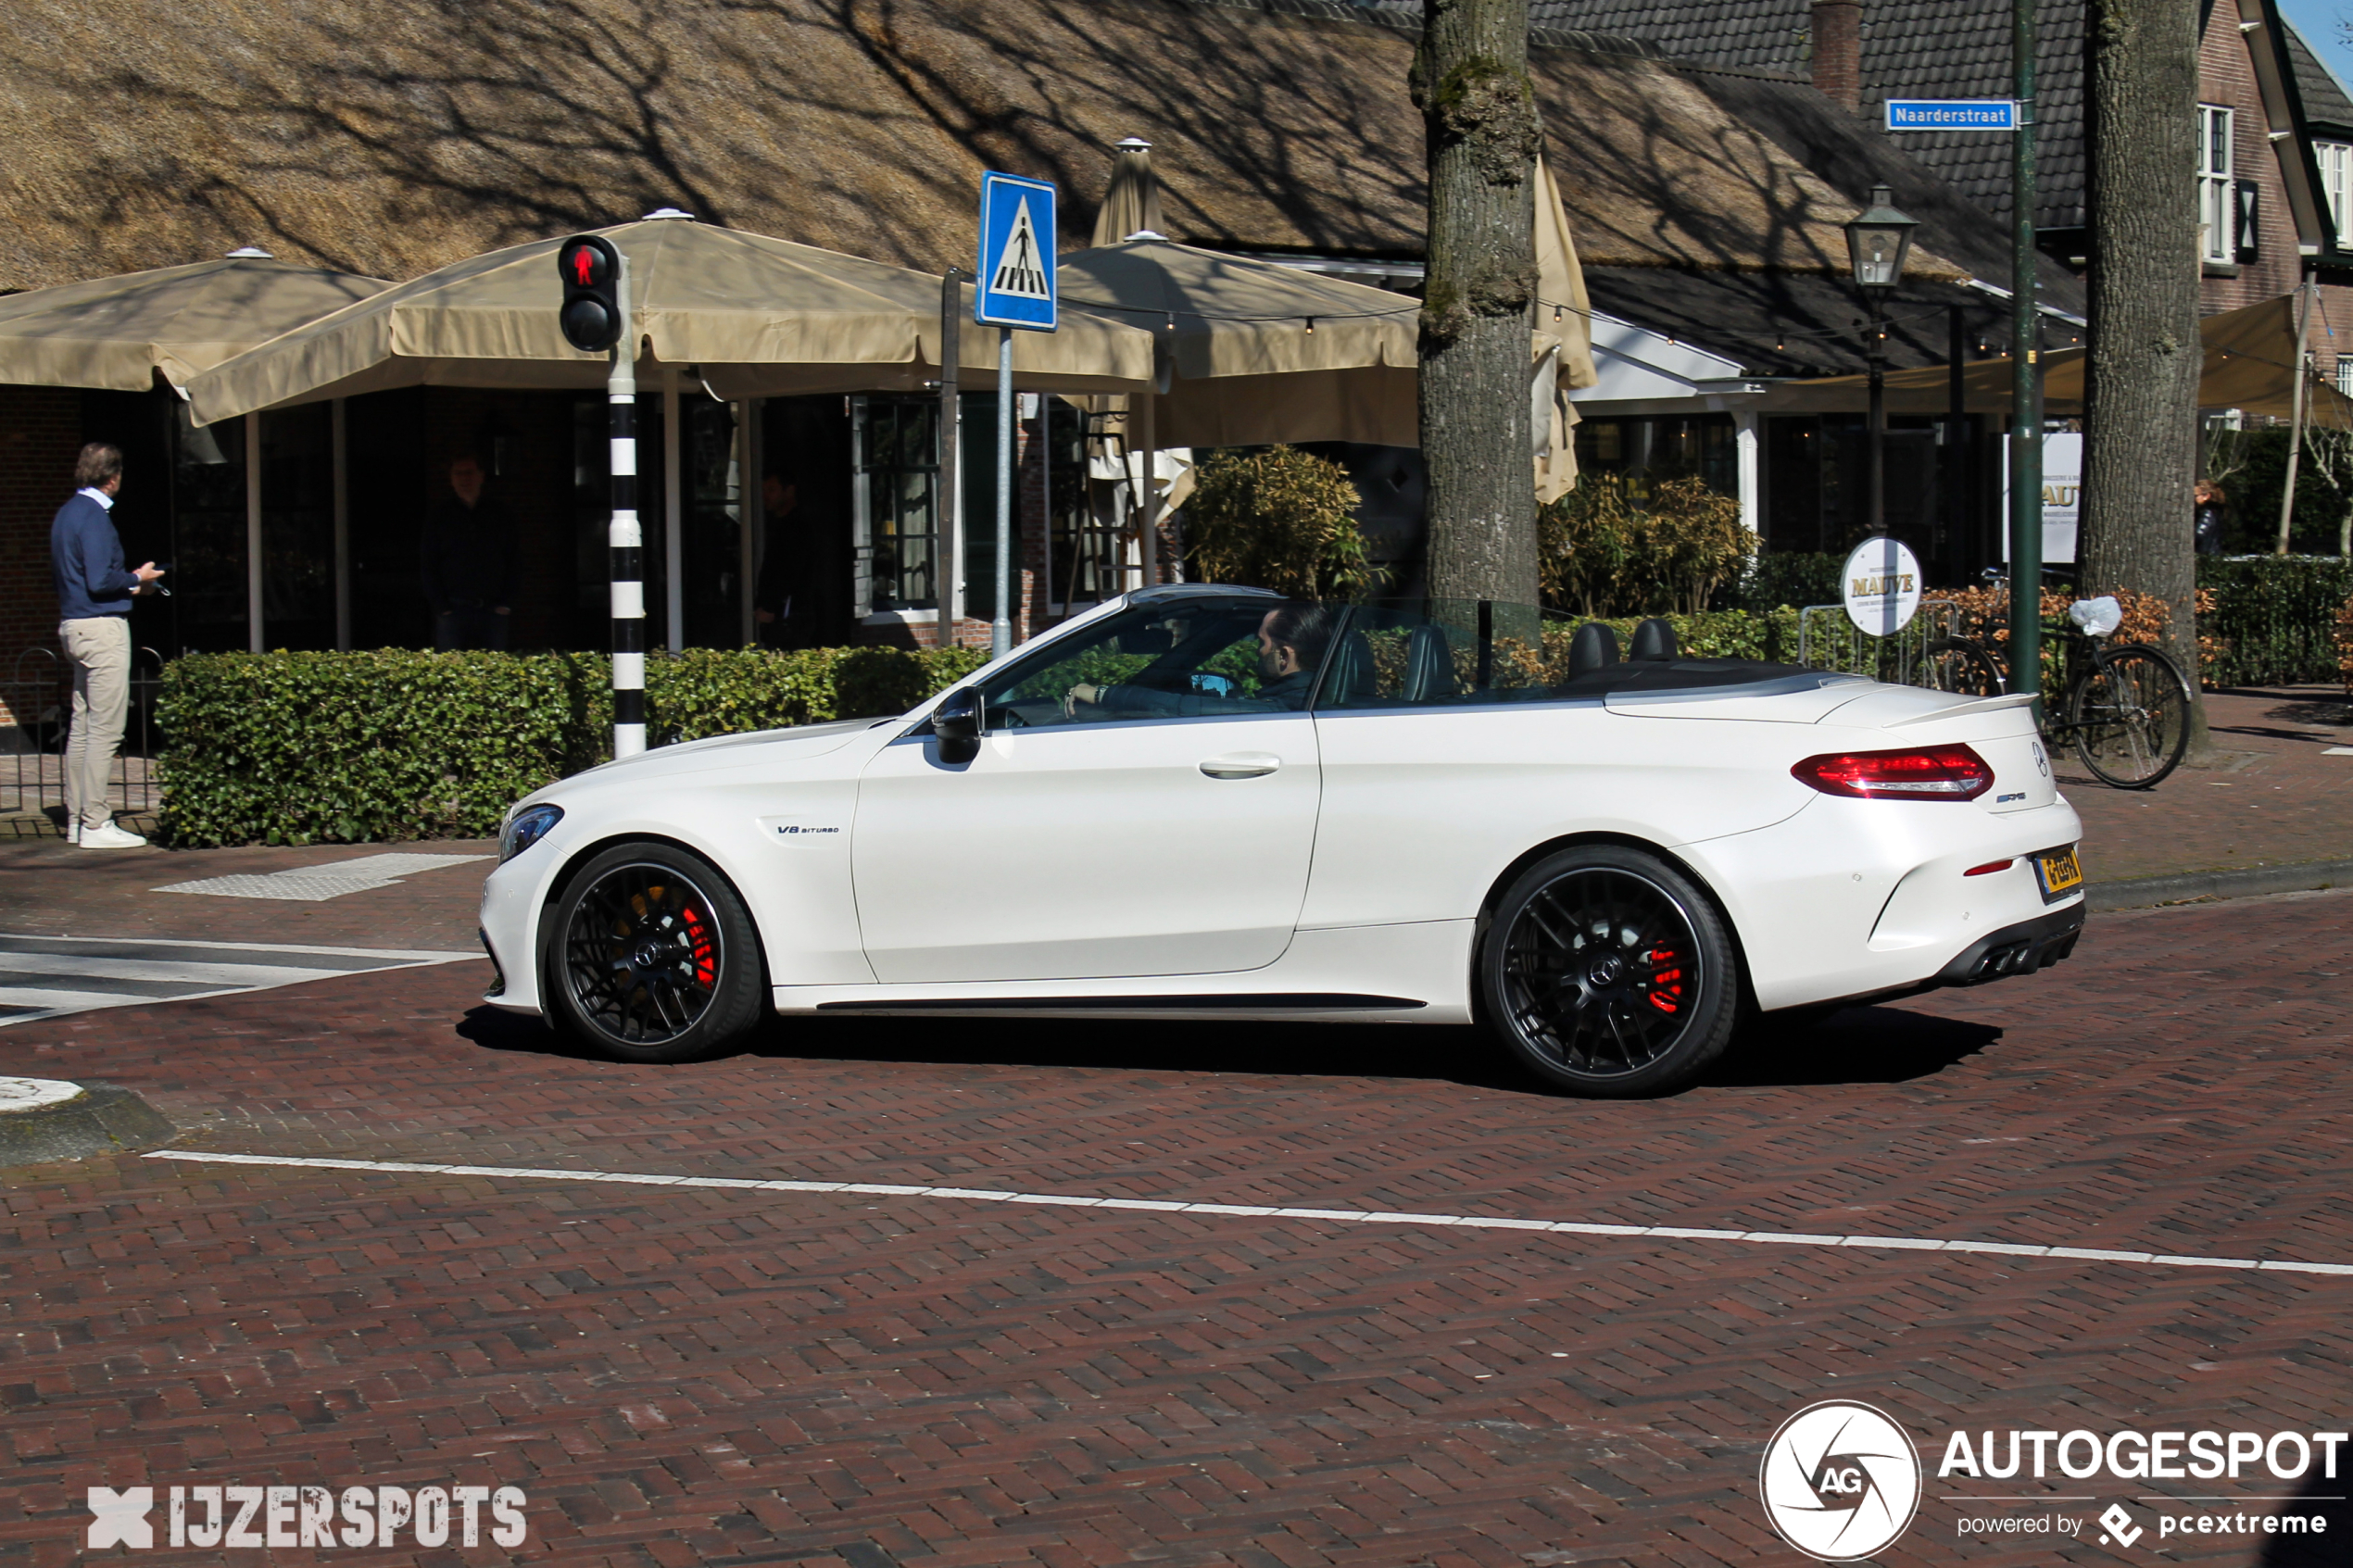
[(756, 316), (115, 333), (2250, 365)]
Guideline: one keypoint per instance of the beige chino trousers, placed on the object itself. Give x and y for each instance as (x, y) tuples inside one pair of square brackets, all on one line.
[(99, 651)]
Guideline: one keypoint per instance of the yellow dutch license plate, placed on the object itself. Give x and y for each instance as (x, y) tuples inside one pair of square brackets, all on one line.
[(2059, 872)]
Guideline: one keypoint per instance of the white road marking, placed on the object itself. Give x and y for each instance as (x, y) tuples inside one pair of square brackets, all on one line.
[(314, 884), (43, 976), (1252, 1210)]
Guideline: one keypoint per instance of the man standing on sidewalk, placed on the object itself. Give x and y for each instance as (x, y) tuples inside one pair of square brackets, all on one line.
[(94, 613)]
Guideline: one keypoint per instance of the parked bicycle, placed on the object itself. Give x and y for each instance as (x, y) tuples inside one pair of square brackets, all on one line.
[(2126, 709)]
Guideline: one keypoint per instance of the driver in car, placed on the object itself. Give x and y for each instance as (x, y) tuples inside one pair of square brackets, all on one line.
[(1291, 641)]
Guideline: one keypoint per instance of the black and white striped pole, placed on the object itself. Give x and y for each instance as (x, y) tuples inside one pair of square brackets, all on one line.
[(595, 317)]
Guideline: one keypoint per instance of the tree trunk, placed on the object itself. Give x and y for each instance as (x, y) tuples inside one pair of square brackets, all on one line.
[(1471, 82), (2140, 406)]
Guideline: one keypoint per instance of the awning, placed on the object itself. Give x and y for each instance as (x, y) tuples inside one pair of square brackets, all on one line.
[(115, 333), (2250, 355), (756, 316)]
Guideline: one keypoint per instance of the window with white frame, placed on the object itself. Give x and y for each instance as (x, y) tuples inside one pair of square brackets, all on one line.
[(2335, 159), (2217, 213)]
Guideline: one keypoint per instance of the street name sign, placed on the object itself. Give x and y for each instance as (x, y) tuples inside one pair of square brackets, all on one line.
[(1952, 114), (1013, 286)]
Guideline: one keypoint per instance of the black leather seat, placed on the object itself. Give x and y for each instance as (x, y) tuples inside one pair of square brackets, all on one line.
[(1654, 639), (1430, 666), (1593, 647)]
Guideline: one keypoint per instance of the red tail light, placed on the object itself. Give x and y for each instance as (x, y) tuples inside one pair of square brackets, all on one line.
[(1927, 772)]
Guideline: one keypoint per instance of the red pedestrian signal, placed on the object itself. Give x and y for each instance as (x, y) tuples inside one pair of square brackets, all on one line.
[(591, 314)]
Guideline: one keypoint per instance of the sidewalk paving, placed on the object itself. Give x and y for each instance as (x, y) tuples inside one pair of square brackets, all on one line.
[(2274, 796)]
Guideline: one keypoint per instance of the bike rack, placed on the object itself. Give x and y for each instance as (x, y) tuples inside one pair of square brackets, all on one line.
[(1828, 640)]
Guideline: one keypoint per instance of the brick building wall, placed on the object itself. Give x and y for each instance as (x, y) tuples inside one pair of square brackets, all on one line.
[(2226, 76), (40, 437)]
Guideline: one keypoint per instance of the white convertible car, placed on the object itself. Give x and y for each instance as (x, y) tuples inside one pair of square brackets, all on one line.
[(1204, 802)]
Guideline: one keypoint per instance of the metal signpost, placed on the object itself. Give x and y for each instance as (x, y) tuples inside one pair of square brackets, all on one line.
[(1013, 291), (2015, 115), (595, 319)]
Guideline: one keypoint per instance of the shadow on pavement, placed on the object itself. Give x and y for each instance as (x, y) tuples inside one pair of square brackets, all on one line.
[(1859, 1046), (1865, 1044)]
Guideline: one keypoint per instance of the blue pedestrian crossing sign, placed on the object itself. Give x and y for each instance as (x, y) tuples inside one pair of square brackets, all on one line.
[(1016, 278)]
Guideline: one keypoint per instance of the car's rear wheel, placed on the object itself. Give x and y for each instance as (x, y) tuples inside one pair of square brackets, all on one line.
[(655, 957), (1607, 972)]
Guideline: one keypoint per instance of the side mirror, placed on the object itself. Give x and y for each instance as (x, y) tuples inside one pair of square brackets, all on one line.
[(957, 722)]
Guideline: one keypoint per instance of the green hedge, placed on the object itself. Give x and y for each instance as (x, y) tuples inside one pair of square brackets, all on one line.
[(355, 747), (1723, 633), (1787, 577), (2275, 615)]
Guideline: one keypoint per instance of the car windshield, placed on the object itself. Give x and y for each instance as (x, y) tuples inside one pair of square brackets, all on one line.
[(1192, 657)]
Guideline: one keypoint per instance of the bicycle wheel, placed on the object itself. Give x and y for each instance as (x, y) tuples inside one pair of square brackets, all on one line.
[(1957, 665), (2129, 715)]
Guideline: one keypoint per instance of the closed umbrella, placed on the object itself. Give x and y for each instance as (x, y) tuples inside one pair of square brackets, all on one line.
[(757, 316), (115, 333)]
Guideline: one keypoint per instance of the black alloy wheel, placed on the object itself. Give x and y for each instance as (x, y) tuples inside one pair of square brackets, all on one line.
[(1606, 972), (655, 959)]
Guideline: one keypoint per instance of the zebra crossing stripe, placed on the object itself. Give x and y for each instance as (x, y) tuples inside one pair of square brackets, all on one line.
[(46, 976)]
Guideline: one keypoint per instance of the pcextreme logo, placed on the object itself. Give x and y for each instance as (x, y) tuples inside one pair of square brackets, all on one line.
[(1840, 1481)]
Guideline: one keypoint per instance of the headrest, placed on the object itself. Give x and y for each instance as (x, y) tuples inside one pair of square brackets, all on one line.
[(1593, 647), (1654, 639), (1430, 666)]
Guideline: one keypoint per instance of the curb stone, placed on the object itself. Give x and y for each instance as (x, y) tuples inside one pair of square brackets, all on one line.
[(102, 1119), (2141, 892)]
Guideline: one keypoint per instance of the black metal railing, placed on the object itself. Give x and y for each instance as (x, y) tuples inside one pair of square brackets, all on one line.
[(38, 695)]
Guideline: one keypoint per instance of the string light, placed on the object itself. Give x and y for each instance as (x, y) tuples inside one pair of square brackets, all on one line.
[(1310, 326)]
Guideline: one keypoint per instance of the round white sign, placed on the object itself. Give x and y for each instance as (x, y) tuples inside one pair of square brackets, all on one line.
[(1882, 584), (1840, 1481), (31, 1094)]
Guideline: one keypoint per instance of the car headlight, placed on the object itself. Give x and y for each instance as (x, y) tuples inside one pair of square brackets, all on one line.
[(526, 828)]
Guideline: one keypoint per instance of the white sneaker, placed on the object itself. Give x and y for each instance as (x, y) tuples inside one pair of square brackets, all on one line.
[(110, 838)]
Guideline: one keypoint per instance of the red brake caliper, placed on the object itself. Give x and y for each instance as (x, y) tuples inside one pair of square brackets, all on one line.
[(1667, 984), (705, 970)]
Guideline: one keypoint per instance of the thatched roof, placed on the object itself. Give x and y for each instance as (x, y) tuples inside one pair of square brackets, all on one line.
[(393, 136)]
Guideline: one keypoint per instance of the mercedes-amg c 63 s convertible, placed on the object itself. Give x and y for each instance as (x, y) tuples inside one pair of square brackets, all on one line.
[(1214, 803)]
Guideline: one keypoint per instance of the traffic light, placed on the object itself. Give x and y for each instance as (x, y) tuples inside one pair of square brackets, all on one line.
[(592, 309)]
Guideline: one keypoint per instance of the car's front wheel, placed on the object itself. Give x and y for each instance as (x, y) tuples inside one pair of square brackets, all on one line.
[(654, 958), (1606, 972)]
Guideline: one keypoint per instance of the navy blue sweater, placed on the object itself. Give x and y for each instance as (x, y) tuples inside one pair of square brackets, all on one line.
[(86, 562)]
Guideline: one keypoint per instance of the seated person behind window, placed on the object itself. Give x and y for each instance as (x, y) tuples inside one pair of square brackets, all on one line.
[(1291, 643)]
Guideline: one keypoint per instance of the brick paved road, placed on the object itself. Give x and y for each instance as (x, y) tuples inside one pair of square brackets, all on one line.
[(855, 1380)]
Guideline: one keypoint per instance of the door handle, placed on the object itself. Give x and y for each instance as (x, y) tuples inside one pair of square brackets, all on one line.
[(1242, 765)]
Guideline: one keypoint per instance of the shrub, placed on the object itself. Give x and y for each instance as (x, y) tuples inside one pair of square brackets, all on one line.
[(1789, 577), (355, 747), (1985, 616), (2345, 647), (1280, 519), (1604, 550)]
